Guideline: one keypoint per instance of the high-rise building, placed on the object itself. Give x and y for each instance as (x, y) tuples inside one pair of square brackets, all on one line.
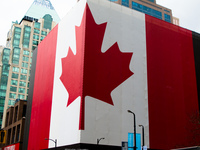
[(148, 7), (16, 57)]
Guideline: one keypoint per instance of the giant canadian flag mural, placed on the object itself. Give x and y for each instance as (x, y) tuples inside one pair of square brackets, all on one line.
[(103, 59)]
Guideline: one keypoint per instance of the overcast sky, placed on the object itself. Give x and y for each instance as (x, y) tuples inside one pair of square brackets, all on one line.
[(187, 11)]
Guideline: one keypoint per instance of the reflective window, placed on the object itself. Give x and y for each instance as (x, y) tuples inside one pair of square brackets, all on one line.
[(167, 18), (15, 76), (12, 95), (17, 35), (37, 31), (44, 33), (15, 69), (25, 58), (26, 52), (42, 38), (6, 56), (23, 77), (22, 83), (26, 39), (37, 25), (125, 3), (16, 55), (11, 102), (20, 96), (24, 71), (147, 10), (13, 89), (14, 82), (35, 42), (35, 36), (24, 64), (21, 90), (47, 21)]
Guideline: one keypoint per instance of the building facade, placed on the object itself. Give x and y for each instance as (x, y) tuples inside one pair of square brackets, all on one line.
[(103, 61), (15, 123), (148, 7), (22, 39)]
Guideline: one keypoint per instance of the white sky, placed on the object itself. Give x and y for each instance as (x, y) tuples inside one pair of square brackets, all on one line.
[(187, 11)]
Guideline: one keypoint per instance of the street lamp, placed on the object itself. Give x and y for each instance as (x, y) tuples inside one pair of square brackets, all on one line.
[(134, 128), (142, 135), (98, 140), (52, 141)]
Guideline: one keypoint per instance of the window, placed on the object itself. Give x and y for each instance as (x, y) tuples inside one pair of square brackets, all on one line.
[(23, 77), (44, 33), (33, 47), (36, 31), (35, 42), (35, 36), (26, 52), (24, 71), (11, 102), (26, 39), (16, 55), (42, 38), (25, 58), (14, 82), (22, 90), (125, 3), (12, 95), (15, 76), (13, 89), (15, 69), (167, 18), (20, 96), (6, 56), (24, 64), (22, 83), (47, 21), (37, 25), (17, 35)]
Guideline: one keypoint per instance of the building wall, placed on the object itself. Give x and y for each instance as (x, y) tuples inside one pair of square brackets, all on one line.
[(19, 60), (104, 59)]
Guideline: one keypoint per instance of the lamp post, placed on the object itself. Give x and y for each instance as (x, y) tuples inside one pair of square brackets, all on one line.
[(134, 128), (142, 135), (98, 140), (52, 141)]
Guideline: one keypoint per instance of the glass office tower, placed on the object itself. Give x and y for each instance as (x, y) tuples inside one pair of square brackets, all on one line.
[(16, 57)]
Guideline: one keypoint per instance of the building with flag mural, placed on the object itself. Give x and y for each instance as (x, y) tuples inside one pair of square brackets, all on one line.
[(16, 58), (103, 59)]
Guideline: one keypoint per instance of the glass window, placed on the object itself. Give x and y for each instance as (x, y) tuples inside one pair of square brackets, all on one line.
[(125, 3), (167, 18), (27, 91), (24, 64), (42, 38), (44, 33), (12, 95), (15, 69), (26, 52), (33, 47), (37, 31), (20, 96), (15, 76), (26, 39), (22, 83), (13, 89), (25, 58), (37, 25), (47, 21), (11, 102), (3, 87), (17, 35), (23, 77), (6, 56), (24, 71), (21, 90), (14, 82), (35, 42), (17, 29), (35, 36), (16, 55)]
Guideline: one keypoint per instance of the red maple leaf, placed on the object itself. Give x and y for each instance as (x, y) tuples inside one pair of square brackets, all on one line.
[(90, 72)]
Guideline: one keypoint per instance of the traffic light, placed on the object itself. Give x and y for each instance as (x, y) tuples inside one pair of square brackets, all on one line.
[(2, 136)]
